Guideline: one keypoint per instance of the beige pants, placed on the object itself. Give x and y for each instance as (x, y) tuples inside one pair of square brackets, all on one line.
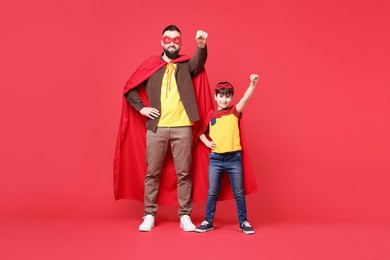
[(180, 139)]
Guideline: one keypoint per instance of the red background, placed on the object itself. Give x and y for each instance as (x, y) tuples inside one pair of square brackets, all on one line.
[(318, 125)]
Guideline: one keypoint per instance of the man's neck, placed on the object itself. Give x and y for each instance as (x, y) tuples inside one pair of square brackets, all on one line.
[(165, 58)]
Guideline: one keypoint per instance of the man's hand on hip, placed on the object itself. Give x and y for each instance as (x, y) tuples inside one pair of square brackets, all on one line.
[(150, 112)]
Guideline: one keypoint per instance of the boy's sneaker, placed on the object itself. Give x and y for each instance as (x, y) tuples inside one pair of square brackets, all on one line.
[(204, 226), (147, 224), (246, 228)]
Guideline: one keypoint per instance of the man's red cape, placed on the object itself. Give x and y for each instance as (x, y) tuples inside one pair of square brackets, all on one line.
[(129, 159)]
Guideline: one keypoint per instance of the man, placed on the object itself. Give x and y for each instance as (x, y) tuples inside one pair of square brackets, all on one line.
[(162, 90)]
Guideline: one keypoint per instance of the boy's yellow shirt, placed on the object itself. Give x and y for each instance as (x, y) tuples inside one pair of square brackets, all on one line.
[(225, 131)]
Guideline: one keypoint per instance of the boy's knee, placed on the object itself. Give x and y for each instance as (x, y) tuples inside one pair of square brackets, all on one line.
[(239, 193), (213, 192)]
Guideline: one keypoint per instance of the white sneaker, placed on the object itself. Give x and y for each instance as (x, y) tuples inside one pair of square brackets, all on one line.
[(186, 223), (147, 224)]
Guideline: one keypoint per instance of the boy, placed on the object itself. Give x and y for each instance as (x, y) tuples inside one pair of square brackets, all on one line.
[(226, 152)]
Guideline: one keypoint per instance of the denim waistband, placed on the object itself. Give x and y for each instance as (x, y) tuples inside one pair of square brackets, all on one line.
[(227, 153)]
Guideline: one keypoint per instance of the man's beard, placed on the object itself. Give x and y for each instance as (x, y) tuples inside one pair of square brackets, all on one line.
[(172, 55)]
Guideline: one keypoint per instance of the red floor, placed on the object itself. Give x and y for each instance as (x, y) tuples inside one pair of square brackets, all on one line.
[(72, 237)]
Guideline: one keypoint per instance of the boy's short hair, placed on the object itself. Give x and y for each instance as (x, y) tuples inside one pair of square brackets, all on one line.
[(171, 28), (224, 88)]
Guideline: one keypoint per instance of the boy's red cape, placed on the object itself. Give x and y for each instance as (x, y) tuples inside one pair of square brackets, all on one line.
[(129, 159)]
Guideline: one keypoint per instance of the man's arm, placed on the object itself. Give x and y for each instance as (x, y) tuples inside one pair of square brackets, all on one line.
[(135, 101), (248, 93), (198, 61)]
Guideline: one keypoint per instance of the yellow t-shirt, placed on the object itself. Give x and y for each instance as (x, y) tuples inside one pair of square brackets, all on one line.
[(172, 111), (224, 130)]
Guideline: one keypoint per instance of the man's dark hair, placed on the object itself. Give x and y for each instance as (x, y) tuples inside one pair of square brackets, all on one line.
[(224, 88), (171, 28)]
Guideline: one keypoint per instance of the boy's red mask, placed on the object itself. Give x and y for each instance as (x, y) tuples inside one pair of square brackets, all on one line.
[(224, 85), (168, 40)]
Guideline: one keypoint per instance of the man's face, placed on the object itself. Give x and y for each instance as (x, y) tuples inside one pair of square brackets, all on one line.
[(171, 43)]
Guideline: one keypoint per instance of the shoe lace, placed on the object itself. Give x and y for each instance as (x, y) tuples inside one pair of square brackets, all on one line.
[(246, 223), (204, 223)]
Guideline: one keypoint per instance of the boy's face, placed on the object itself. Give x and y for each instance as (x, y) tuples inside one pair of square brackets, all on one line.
[(223, 100)]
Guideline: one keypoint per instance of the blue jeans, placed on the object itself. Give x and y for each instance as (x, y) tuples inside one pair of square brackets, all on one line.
[(230, 163)]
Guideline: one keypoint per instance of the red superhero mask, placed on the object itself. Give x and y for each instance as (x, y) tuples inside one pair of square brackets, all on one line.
[(168, 40), (224, 85)]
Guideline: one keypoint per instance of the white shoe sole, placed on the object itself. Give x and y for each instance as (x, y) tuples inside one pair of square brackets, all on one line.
[(247, 232), (145, 229), (187, 229), (203, 230)]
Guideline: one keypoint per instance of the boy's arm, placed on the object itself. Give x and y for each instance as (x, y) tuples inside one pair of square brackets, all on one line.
[(207, 142), (248, 93)]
